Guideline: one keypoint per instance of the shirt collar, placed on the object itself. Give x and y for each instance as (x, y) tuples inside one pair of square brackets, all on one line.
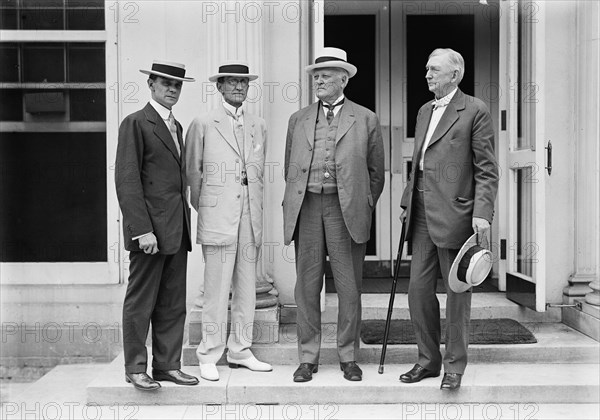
[(445, 100), (337, 100), (233, 110), (162, 111)]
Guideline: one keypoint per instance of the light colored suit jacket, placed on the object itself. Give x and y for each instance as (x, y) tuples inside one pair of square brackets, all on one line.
[(359, 160), (460, 170), (150, 181), (214, 165)]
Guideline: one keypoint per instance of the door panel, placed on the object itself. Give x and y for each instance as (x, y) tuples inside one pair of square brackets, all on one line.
[(524, 184)]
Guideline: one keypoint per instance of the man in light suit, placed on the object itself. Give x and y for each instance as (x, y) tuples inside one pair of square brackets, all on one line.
[(225, 151), (450, 195), (150, 181), (334, 171)]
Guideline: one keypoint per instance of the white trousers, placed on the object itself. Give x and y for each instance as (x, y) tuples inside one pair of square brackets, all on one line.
[(227, 266)]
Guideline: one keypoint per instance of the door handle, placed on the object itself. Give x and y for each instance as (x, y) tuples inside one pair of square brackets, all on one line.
[(549, 157)]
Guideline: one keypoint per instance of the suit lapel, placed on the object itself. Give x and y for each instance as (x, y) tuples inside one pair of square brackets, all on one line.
[(310, 120), (223, 126), (248, 134), (161, 131), (449, 117), (346, 120)]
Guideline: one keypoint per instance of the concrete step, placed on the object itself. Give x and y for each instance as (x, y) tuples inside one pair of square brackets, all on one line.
[(482, 383), (483, 306), (557, 343)]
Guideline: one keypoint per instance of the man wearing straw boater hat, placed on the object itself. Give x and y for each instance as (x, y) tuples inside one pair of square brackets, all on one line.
[(150, 181), (449, 200), (334, 171), (225, 151)]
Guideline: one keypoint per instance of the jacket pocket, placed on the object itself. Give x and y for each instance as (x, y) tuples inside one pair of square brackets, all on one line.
[(462, 200), (207, 201)]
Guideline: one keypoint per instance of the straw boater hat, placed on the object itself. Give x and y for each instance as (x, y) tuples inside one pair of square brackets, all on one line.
[(233, 68), (168, 70), (332, 57), (470, 267)]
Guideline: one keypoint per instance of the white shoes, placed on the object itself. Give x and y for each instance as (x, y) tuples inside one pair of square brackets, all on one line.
[(251, 363), (209, 371)]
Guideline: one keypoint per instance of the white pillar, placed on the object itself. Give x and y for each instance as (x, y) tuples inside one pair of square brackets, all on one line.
[(587, 157)]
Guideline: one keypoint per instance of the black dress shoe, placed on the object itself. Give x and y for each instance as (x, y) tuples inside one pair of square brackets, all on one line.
[(305, 371), (351, 371), (175, 375), (417, 373), (451, 381), (141, 381)]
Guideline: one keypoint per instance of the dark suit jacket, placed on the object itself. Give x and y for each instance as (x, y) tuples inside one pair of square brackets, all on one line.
[(359, 159), (460, 170), (150, 180)]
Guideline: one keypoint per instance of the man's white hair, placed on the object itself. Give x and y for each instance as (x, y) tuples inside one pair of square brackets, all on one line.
[(454, 58)]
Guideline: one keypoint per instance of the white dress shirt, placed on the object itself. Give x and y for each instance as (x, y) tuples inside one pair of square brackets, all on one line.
[(439, 107), (336, 109)]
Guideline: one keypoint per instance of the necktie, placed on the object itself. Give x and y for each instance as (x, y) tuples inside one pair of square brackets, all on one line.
[(330, 108), (440, 103), (173, 129), (238, 132)]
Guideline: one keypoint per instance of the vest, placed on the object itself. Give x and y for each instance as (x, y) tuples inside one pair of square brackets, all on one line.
[(323, 159)]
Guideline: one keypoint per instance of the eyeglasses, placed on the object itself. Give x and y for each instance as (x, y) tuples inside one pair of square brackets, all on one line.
[(233, 82)]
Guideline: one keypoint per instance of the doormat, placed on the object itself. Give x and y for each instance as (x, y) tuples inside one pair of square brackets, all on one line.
[(482, 331)]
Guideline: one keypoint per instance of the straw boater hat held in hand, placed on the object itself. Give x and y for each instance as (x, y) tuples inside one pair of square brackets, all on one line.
[(332, 57), (168, 70), (470, 267), (233, 68)]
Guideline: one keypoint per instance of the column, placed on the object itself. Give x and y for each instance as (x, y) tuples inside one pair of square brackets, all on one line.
[(585, 281)]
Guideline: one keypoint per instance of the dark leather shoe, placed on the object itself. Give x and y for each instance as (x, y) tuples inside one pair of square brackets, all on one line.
[(305, 371), (451, 381), (141, 381), (417, 373), (351, 371), (175, 375)]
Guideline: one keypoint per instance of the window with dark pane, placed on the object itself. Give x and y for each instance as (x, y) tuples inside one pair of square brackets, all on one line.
[(11, 105), (8, 14), (42, 15), (88, 104), (43, 62), (86, 63), (9, 62), (53, 194), (85, 14)]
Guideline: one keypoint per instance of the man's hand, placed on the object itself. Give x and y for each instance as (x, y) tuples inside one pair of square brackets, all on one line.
[(403, 216), (481, 227), (149, 244)]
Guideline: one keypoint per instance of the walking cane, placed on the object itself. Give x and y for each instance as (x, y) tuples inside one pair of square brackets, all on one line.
[(392, 295)]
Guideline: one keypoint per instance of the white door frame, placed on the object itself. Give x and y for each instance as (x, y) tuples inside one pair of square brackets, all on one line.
[(516, 158)]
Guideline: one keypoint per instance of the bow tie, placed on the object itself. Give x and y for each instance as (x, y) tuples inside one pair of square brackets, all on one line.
[(332, 107), (440, 103)]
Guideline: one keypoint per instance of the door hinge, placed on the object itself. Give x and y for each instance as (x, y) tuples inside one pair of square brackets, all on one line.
[(502, 249)]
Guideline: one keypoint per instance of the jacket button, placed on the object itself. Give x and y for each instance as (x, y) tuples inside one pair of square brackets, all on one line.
[(304, 170), (310, 148), (299, 192), (238, 196)]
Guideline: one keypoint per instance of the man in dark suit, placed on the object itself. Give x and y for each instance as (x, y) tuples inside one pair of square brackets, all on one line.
[(334, 171), (450, 195), (150, 180)]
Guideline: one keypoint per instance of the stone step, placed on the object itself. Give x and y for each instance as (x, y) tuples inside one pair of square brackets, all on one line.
[(482, 384), (483, 306), (557, 343)]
